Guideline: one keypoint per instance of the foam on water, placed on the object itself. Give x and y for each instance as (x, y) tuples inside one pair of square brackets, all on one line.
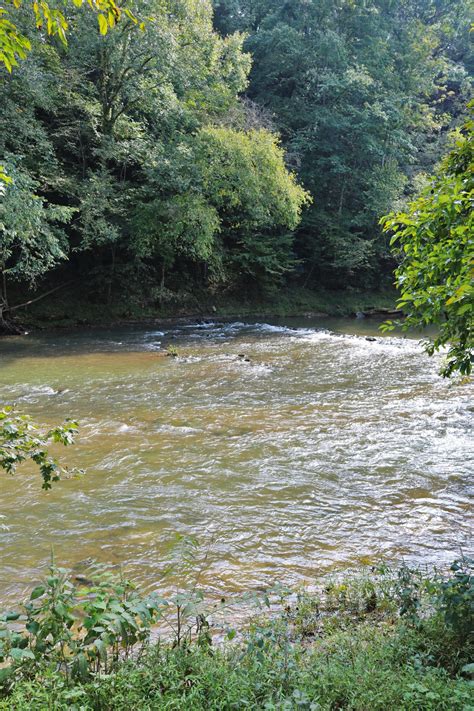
[(307, 447)]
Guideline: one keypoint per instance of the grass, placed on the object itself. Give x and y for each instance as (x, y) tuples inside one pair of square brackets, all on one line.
[(364, 670), (347, 648)]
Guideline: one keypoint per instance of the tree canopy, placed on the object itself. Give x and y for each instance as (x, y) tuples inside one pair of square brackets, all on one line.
[(193, 157), (109, 142), (363, 95)]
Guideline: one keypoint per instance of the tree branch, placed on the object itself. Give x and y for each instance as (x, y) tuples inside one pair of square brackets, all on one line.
[(38, 298)]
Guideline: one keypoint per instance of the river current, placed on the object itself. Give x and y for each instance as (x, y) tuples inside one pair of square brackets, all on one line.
[(289, 450)]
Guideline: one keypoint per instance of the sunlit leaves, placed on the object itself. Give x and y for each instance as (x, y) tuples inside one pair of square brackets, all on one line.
[(243, 178), (435, 241), (23, 440), (103, 25), (15, 46), (348, 86), (235, 211), (5, 179)]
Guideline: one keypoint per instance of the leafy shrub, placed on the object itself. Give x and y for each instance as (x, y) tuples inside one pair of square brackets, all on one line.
[(87, 647), (79, 630), (91, 627), (456, 599)]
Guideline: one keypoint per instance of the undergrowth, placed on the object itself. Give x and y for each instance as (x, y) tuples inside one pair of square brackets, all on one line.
[(67, 310), (381, 640)]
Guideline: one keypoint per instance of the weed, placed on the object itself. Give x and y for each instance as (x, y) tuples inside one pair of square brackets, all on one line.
[(381, 642)]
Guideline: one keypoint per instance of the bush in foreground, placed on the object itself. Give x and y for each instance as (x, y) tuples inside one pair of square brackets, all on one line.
[(384, 641)]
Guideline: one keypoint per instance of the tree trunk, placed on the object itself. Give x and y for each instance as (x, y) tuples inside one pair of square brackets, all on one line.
[(112, 273), (162, 284), (4, 288), (341, 199), (7, 324), (8, 327)]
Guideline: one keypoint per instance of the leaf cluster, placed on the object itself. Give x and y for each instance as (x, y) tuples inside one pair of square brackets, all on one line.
[(359, 654), (15, 45), (22, 440), (435, 240)]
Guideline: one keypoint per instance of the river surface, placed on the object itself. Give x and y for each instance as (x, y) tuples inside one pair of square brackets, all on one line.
[(318, 451)]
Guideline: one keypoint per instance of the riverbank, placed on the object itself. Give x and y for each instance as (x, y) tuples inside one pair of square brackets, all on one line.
[(64, 310), (378, 641)]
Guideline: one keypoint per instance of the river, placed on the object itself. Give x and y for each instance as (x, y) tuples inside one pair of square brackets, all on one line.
[(289, 449)]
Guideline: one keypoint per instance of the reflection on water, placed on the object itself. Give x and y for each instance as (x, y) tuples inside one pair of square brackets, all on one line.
[(299, 449)]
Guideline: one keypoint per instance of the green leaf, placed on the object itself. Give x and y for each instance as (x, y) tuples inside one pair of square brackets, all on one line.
[(18, 655), (37, 592), (103, 25), (5, 672), (468, 669), (12, 616)]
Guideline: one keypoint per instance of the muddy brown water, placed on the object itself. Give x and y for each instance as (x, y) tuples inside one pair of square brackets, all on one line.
[(297, 448)]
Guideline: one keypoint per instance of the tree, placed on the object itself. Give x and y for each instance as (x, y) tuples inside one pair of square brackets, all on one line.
[(259, 203), (170, 181), (235, 213), (31, 238), (435, 240), (362, 93), (143, 139), (16, 45)]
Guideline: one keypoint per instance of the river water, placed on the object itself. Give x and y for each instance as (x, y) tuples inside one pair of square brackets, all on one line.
[(317, 451)]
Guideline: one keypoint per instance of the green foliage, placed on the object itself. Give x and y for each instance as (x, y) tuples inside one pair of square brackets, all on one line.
[(32, 240), (456, 600), (91, 624), (4, 178), (237, 214), (138, 140), (439, 609), (258, 201), (82, 630), (21, 440), (435, 239), (15, 45), (357, 656), (361, 93), (135, 158), (181, 226)]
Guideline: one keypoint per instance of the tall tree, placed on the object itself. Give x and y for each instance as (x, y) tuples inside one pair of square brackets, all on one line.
[(361, 93), (114, 129)]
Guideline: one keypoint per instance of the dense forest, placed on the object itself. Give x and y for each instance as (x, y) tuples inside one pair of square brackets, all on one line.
[(245, 146)]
